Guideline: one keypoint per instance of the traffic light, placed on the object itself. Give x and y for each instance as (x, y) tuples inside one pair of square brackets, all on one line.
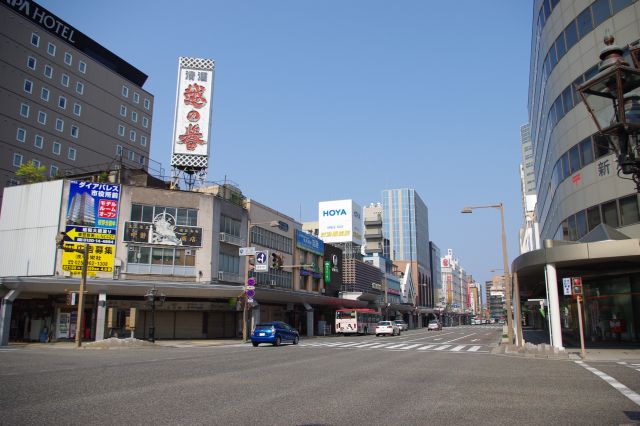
[(274, 261), (577, 285)]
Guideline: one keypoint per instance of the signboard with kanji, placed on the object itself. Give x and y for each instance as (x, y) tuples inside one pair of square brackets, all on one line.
[(101, 258), (143, 232)]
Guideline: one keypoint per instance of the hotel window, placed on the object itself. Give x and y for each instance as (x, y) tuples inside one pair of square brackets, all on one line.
[(147, 104), (38, 141), (54, 171), (79, 87), (72, 154), (141, 160), (24, 110), (28, 86), (64, 80), (17, 160), (119, 150), (42, 117), (77, 109), (82, 67), (48, 71), (51, 49), (59, 125), (31, 62), (123, 110), (143, 140), (35, 39), (132, 135), (68, 58), (120, 130), (21, 134), (44, 94), (36, 163), (145, 122), (131, 155), (74, 131), (56, 148), (134, 116), (62, 102), (125, 91), (136, 97)]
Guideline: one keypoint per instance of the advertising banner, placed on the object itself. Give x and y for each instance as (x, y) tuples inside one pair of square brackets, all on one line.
[(309, 243), (162, 231), (340, 222)]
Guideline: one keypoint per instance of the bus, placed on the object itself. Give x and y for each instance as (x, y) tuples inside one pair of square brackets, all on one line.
[(357, 321)]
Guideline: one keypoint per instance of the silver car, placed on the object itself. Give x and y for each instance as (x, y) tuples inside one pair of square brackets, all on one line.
[(403, 326)]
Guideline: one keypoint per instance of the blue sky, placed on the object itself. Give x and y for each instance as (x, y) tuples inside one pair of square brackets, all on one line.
[(326, 100)]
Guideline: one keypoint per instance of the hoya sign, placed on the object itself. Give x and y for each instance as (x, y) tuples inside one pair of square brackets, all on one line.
[(340, 222)]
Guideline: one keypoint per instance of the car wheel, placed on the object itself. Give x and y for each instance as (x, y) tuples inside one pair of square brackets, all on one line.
[(254, 344), (278, 341), (295, 340), (399, 332)]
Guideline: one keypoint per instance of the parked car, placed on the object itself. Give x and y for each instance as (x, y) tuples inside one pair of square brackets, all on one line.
[(275, 333), (403, 326), (434, 325), (387, 327)]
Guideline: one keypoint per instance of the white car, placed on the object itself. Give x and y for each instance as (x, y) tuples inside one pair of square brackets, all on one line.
[(403, 326), (434, 325), (387, 327)]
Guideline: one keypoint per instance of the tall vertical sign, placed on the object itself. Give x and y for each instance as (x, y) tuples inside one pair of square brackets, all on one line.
[(191, 132)]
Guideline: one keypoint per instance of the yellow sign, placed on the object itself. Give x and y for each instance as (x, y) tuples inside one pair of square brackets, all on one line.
[(101, 258)]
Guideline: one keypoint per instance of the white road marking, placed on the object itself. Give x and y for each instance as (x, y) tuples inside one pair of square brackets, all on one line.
[(411, 346), (349, 344), (396, 346), (474, 340), (439, 338), (365, 345), (473, 348), (379, 346), (424, 348), (457, 348), (441, 348), (633, 396)]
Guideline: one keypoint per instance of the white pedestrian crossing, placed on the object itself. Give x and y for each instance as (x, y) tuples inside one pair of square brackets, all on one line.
[(408, 346), (474, 348), (424, 348), (441, 348), (458, 348)]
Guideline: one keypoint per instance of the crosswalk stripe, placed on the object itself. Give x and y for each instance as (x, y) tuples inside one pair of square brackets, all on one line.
[(441, 348), (349, 344), (365, 345), (424, 348), (379, 346), (411, 346), (457, 348), (396, 346), (473, 348)]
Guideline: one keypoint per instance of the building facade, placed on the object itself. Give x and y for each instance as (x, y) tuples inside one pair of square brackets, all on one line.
[(68, 103)]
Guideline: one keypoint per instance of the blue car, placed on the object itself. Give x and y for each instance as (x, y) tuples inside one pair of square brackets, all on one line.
[(275, 333)]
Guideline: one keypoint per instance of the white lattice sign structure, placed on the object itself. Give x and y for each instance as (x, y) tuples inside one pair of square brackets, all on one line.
[(192, 127)]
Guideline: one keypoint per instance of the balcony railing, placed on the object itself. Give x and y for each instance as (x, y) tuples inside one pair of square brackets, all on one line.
[(373, 234), (231, 239), (373, 220)]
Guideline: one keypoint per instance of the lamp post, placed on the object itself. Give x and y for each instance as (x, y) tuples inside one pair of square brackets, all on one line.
[(505, 259), (612, 98), (151, 297), (83, 282)]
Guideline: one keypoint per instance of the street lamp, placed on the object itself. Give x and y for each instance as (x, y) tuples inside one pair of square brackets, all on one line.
[(505, 259), (612, 98), (152, 296), (83, 282)]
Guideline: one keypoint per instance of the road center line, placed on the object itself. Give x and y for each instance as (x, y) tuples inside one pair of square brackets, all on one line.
[(633, 396)]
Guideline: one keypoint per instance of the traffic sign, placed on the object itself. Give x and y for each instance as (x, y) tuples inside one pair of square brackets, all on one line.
[(566, 285), (251, 293), (251, 282), (247, 251), (261, 261)]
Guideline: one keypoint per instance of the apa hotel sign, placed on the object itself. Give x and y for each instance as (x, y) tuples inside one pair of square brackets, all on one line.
[(42, 17)]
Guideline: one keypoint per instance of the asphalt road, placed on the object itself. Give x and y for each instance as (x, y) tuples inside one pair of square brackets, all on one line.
[(332, 381)]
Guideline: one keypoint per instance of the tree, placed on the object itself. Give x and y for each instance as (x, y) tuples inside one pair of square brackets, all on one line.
[(31, 173)]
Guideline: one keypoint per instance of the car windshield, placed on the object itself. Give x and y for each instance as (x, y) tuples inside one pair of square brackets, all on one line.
[(384, 323), (264, 326), (433, 322)]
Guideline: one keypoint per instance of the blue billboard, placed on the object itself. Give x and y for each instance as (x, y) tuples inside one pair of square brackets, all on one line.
[(309, 243)]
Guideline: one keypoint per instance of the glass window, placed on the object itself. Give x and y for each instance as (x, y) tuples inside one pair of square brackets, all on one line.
[(585, 23), (35, 39), (120, 130), (31, 62), (38, 141), (59, 124), (576, 96), (42, 117), (567, 99), (571, 34), (68, 58), (24, 110), (21, 134), (573, 231), (156, 256), (593, 217), (119, 150), (143, 140), (48, 71), (147, 104), (51, 49), (64, 80), (36, 163), (53, 171), (136, 212), (546, 6), (610, 213), (145, 122), (561, 47), (617, 5), (82, 67), (564, 160), (136, 97), (132, 135), (147, 214), (581, 224), (80, 87), (586, 151), (72, 154), (28, 86), (141, 160), (601, 146), (629, 210), (17, 160), (75, 131), (44, 94), (62, 102), (574, 159), (56, 148), (134, 116), (77, 109), (123, 110), (125, 91), (131, 155), (601, 12)]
